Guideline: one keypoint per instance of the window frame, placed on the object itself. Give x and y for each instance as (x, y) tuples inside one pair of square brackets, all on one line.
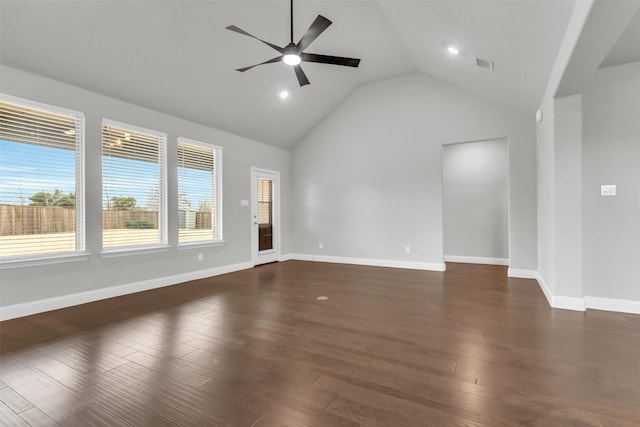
[(163, 222), (216, 194), (80, 253)]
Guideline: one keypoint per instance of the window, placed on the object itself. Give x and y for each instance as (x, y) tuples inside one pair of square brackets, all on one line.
[(41, 180), (199, 192), (133, 187), (265, 214)]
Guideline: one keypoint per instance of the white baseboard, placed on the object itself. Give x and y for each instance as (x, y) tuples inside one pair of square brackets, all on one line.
[(568, 303), (522, 274), (476, 260), (558, 301), (413, 265), (545, 289), (594, 303), (48, 304), (612, 304), (286, 257)]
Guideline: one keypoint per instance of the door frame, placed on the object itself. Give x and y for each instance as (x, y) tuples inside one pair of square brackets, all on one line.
[(479, 260), (272, 255)]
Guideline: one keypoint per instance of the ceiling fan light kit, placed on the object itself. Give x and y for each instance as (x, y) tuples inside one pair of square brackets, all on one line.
[(293, 54), (290, 55)]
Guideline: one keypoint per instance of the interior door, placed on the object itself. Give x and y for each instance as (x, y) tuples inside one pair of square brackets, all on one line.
[(265, 216)]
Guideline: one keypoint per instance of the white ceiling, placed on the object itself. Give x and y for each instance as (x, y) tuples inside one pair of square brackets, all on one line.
[(177, 57), (627, 47)]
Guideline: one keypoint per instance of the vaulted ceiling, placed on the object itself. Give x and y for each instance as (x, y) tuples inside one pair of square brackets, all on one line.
[(176, 56)]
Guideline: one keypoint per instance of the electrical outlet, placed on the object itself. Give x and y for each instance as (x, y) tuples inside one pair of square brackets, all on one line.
[(200, 257), (607, 190), (407, 249), (321, 245)]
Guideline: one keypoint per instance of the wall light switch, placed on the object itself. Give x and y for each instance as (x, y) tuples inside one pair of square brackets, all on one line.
[(608, 190), (244, 202)]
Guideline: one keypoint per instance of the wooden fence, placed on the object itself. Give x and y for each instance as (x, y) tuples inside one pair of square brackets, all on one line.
[(203, 220), (18, 220), (112, 220)]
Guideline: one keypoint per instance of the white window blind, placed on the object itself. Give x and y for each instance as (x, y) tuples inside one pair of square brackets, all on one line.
[(41, 179), (133, 187), (265, 214), (199, 191), (265, 201)]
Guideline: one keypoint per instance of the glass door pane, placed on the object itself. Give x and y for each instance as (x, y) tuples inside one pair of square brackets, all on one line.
[(265, 214)]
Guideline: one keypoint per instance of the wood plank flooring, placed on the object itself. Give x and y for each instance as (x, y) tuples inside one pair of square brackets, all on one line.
[(390, 347)]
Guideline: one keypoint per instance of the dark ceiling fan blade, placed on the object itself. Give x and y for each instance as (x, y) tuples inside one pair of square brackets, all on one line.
[(241, 31), (319, 25), (271, 61), (302, 78), (326, 59)]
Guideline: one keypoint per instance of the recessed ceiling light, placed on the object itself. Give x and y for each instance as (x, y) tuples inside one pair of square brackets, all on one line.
[(452, 50), (284, 94)]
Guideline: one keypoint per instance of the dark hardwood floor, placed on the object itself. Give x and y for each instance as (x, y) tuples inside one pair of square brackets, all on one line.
[(389, 347)]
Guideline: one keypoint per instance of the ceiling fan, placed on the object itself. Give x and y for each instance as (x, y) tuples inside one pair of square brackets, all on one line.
[(292, 54)]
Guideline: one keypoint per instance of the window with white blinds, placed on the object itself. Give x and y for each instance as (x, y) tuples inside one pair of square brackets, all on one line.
[(41, 180), (265, 201), (199, 192), (133, 187)]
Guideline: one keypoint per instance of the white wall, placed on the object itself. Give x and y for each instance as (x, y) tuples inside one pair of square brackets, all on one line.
[(611, 131), (24, 284), (568, 197), (367, 181), (545, 152), (546, 196), (475, 183), (582, 263)]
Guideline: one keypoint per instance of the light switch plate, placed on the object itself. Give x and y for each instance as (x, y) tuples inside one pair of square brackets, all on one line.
[(244, 202)]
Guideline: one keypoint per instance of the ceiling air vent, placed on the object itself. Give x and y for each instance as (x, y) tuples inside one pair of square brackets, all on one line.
[(484, 63)]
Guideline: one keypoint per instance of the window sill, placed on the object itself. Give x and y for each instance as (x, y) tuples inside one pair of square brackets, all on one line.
[(202, 244), (43, 260), (138, 250)]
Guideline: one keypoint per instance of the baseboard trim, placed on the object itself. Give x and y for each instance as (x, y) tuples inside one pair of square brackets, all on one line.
[(48, 304), (562, 302), (612, 304), (286, 257), (412, 265), (522, 274), (545, 289), (476, 260), (568, 303)]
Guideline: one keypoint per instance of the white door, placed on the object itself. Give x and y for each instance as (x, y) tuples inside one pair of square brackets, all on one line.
[(265, 216)]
